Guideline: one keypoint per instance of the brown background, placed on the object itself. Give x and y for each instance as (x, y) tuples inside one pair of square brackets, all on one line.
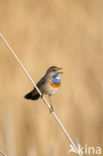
[(65, 33)]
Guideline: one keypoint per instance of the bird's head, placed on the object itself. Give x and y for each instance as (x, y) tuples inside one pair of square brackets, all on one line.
[(54, 71)]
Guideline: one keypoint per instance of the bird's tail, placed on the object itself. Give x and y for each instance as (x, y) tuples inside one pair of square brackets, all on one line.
[(33, 95)]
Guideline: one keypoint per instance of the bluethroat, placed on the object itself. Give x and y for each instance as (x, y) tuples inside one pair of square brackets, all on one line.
[(48, 84)]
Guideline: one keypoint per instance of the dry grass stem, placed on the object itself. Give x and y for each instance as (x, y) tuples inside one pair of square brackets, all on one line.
[(44, 99)]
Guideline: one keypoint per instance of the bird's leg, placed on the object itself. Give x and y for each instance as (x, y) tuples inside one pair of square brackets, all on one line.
[(51, 109)]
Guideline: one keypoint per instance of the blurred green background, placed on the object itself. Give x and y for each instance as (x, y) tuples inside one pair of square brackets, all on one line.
[(65, 33)]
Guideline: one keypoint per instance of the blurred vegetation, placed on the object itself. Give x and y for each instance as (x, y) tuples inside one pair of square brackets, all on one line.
[(67, 34)]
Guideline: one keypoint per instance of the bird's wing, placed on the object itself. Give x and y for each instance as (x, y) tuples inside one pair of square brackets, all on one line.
[(41, 82)]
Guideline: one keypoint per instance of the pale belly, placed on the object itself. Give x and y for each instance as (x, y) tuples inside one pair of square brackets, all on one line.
[(49, 90)]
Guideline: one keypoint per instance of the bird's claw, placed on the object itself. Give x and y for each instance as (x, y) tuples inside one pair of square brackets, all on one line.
[(51, 109)]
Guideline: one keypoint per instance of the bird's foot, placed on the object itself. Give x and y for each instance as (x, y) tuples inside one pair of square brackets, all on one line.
[(51, 109)]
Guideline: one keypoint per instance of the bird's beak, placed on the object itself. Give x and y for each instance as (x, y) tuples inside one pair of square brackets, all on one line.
[(58, 71)]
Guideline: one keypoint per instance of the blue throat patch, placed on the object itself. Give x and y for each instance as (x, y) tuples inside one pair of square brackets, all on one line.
[(56, 79)]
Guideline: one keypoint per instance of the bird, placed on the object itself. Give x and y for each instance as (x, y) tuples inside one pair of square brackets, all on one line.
[(49, 84)]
